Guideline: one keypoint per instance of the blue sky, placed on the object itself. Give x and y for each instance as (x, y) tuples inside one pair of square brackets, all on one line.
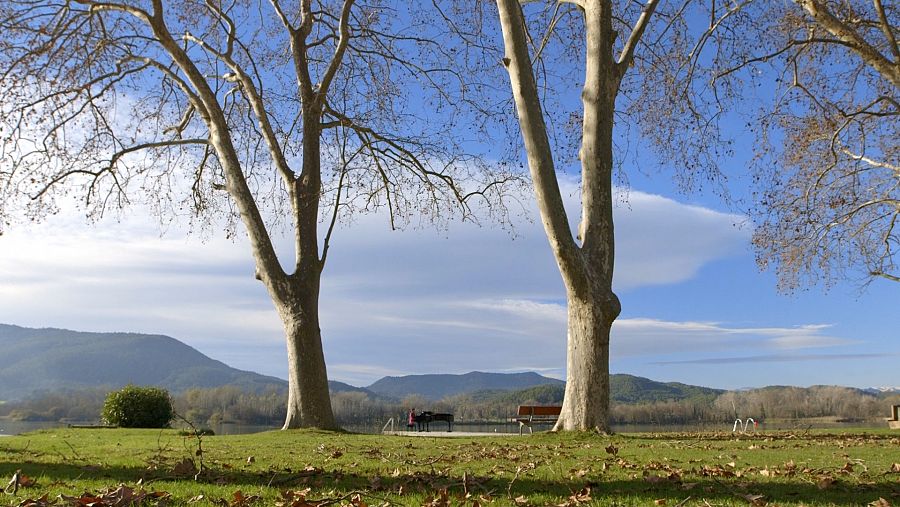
[(695, 307)]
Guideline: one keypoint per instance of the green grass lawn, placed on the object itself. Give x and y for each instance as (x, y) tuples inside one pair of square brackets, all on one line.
[(306, 468)]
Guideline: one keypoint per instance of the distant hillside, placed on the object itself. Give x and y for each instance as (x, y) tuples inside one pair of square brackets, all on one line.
[(625, 389), (36, 360), (547, 394), (437, 386), (335, 386), (882, 391), (57, 360), (628, 389)]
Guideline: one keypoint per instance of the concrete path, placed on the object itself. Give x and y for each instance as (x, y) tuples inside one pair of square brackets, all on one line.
[(455, 434)]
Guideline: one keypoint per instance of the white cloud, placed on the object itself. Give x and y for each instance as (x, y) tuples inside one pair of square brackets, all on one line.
[(413, 301), (642, 336)]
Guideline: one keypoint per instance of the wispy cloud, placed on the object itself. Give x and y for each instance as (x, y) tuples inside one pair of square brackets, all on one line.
[(772, 358), (640, 336)]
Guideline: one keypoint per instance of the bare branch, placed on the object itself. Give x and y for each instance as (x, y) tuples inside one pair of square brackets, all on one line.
[(627, 55), (281, 15), (824, 17), (888, 31), (338, 52)]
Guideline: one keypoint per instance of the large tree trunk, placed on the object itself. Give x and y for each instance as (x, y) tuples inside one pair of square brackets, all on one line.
[(591, 302), (587, 269), (586, 401), (309, 401)]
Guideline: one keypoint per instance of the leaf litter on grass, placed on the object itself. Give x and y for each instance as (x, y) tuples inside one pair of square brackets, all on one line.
[(122, 496)]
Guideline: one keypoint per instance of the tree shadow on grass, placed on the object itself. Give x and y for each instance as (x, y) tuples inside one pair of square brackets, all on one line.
[(638, 491)]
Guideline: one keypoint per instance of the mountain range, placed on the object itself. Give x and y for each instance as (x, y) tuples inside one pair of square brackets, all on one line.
[(47, 360)]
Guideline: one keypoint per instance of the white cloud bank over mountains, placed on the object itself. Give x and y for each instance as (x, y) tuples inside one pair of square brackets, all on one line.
[(469, 298)]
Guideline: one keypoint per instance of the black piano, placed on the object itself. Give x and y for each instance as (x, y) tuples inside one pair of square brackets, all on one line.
[(424, 419)]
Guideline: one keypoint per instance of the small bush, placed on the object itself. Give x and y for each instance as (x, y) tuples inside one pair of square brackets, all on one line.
[(138, 407)]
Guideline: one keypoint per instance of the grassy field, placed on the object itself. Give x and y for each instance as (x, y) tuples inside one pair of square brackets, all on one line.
[(88, 467)]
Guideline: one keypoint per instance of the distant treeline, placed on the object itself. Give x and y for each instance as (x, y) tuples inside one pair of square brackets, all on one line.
[(360, 409)]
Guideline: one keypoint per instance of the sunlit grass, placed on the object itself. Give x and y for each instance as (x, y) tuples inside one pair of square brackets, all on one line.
[(778, 468)]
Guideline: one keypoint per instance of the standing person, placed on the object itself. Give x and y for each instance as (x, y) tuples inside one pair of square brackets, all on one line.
[(411, 419)]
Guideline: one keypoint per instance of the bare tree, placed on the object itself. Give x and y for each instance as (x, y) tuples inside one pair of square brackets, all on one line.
[(586, 269), (640, 69), (632, 57), (828, 162), (265, 114)]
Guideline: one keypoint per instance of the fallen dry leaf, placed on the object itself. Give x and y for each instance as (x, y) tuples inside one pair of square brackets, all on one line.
[(294, 499), (755, 500), (238, 499), (659, 501), (123, 496), (185, 467), (881, 502), (25, 481), (825, 483), (37, 502)]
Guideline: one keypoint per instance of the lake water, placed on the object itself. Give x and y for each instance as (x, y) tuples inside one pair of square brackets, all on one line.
[(8, 428)]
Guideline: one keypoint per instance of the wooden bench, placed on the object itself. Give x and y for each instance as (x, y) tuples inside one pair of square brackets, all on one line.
[(527, 415)]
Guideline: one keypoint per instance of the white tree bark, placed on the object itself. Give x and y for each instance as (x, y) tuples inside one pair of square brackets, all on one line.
[(847, 35), (586, 270)]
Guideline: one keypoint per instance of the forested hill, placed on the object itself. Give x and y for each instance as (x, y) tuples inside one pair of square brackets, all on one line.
[(520, 387), (36, 360), (624, 389), (437, 386), (630, 389)]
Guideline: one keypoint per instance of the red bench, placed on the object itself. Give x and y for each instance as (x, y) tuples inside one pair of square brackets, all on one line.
[(527, 415)]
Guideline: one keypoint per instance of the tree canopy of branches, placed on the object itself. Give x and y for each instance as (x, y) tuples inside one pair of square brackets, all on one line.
[(828, 165), (249, 113)]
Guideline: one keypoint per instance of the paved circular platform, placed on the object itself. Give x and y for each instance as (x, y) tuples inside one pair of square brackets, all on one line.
[(457, 434)]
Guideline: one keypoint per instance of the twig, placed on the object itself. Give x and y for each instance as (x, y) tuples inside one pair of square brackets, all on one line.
[(14, 483), (73, 449), (199, 453), (509, 488)]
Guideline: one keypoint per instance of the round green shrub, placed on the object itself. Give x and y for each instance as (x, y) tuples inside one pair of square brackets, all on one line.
[(138, 407)]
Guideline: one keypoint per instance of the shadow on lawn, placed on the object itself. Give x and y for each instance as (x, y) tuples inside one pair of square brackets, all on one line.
[(640, 490)]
